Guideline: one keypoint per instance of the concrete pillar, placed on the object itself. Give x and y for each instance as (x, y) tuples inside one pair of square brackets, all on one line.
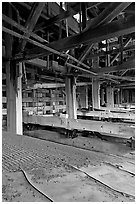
[(70, 86), (95, 93), (110, 96)]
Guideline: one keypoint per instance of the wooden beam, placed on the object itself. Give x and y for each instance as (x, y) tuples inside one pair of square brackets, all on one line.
[(22, 28), (111, 52), (130, 64), (80, 68), (43, 46), (125, 85), (121, 46), (108, 14), (117, 129), (11, 32), (54, 85), (106, 114), (85, 53), (84, 14), (63, 15), (119, 77), (32, 20), (125, 45), (113, 29)]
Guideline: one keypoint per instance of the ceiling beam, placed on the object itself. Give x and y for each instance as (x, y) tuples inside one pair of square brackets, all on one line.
[(85, 53), (22, 28), (80, 68), (125, 45), (108, 14), (11, 32), (120, 77), (130, 64), (31, 22), (113, 29), (74, 9), (127, 84), (110, 52)]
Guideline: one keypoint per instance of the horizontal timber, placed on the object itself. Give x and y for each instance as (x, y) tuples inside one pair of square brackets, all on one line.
[(110, 30), (120, 129)]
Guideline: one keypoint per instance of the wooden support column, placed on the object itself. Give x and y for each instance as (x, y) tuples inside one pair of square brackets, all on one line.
[(14, 99), (95, 82), (83, 96), (95, 94), (110, 96), (13, 86), (19, 127), (107, 56), (10, 89), (84, 14), (102, 96), (70, 85)]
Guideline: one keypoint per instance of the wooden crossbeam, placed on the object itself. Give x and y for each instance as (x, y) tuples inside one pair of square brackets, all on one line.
[(80, 68), (63, 15), (85, 53), (120, 77), (130, 64), (108, 14), (132, 84), (113, 29), (11, 32), (31, 22), (84, 15), (125, 45), (110, 52), (22, 28)]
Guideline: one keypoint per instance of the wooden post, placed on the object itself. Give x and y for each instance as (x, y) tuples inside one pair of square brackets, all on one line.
[(13, 85), (10, 81), (83, 91), (14, 99), (70, 85), (19, 129), (84, 15), (110, 96), (102, 97), (95, 83), (95, 94)]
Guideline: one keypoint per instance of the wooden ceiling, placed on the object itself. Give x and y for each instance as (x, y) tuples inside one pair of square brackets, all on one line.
[(49, 31)]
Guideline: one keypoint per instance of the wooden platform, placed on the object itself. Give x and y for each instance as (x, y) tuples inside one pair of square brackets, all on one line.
[(118, 129)]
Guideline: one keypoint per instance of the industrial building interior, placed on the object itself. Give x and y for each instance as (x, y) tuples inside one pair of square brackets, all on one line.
[(68, 101)]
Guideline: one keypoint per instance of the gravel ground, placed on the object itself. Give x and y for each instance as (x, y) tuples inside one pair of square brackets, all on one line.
[(31, 153)]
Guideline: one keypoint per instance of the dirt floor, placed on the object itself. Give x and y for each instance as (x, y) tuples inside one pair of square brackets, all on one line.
[(89, 169)]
